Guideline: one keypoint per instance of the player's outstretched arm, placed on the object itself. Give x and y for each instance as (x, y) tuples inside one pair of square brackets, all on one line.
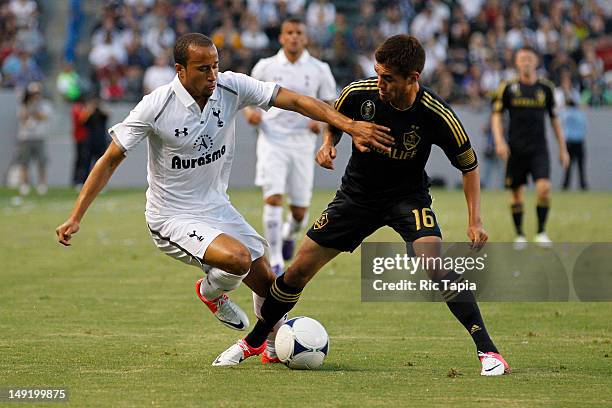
[(471, 189), (99, 176), (365, 135)]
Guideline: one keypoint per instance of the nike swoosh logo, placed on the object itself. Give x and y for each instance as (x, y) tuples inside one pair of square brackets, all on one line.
[(237, 326), (493, 368)]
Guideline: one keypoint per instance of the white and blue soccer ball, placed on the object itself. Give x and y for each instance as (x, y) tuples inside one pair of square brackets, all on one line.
[(302, 343)]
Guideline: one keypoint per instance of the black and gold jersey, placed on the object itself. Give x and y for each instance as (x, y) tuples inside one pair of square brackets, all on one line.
[(527, 106), (378, 175)]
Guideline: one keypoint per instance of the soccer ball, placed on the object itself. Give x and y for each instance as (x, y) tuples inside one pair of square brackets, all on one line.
[(302, 343)]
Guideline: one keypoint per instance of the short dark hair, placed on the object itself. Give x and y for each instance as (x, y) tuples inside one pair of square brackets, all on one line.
[(404, 53), (528, 48), (181, 47), (293, 20)]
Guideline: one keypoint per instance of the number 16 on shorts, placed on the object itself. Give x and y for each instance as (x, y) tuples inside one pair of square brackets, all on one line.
[(423, 217)]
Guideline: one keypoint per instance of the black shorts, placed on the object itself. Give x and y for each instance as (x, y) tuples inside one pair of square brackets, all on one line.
[(520, 165), (346, 223)]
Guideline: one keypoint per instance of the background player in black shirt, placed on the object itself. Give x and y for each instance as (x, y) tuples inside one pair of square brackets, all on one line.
[(528, 99), (387, 187)]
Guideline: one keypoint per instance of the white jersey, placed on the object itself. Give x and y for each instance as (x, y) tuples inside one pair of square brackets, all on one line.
[(308, 76), (190, 151)]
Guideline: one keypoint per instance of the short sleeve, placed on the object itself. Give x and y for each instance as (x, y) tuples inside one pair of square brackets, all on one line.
[(499, 99), (452, 137), (345, 102), (252, 92), (135, 127), (327, 90)]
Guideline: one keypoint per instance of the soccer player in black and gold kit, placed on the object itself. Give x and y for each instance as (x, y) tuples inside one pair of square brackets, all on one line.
[(387, 187), (528, 100)]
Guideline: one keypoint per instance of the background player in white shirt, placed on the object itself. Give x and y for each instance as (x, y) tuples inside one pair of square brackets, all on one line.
[(189, 127), (287, 140)]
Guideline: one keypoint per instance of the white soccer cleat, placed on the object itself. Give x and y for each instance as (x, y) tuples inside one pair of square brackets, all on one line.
[(226, 311), (520, 243), (543, 240), (493, 364), (238, 352)]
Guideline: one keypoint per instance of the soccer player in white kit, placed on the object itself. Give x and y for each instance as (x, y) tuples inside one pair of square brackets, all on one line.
[(287, 140), (189, 127)]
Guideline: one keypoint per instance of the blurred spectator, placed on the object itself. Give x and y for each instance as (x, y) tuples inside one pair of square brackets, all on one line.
[(472, 38), (426, 24), (253, 37), (596, 95), (79, 137), (25, 12), (393, 23), (112, 87), (566, 91), (107, 55), (157, 75), (69, 83), (95, 119), (19, 69), (320, 12), (33, 115), (160, 39), (574, 127)]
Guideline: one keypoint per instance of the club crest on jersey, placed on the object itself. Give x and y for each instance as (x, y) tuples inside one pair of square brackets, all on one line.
[(178, 132), (411, 140), (321, 222), (368, 109), (217, 114)]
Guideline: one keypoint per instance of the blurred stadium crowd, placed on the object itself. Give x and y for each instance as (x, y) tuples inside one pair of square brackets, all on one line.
[(469, 43)]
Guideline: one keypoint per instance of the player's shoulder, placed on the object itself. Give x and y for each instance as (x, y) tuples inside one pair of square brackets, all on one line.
[(362, 89), (546, 83), (266, 62), (231, 82), (319, 64), (433, 103), (153, 104), (362, 86)]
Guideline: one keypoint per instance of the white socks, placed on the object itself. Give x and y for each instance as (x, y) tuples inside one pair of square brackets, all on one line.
[(291, 227), (217, 281), (272, 222)]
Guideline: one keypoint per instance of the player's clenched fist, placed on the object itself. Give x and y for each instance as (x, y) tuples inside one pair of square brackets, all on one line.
[(326, 155), (64, 232)]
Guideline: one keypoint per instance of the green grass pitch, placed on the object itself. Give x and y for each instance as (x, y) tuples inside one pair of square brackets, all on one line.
[(119, 324)]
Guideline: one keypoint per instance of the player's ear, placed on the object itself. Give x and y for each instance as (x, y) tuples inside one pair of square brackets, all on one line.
[(180, 70)]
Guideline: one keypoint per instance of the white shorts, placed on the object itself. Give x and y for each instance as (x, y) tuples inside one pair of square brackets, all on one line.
[(186, 237), (287, 171)]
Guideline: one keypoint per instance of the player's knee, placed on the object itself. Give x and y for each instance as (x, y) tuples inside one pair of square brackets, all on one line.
[(298, 214), (274, 199), (239, 261)]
